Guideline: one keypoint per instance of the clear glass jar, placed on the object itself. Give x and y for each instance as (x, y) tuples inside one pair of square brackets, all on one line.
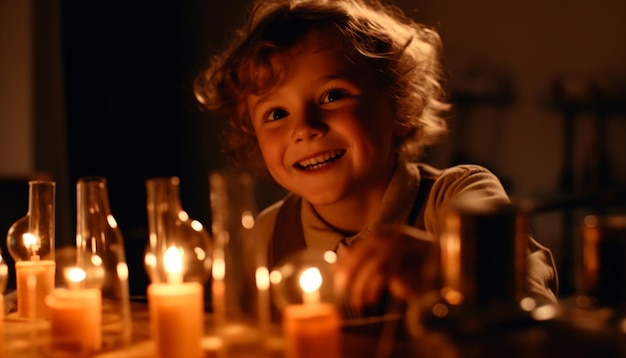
[(101, 254), (169, 225), (30, 241), (240, 281), (483, 305), (595, 316)]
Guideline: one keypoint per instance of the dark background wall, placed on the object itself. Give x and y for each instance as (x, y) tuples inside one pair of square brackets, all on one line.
[(105, 89)]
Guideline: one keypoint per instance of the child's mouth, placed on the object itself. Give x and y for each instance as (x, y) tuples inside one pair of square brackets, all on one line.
[(320, 160)]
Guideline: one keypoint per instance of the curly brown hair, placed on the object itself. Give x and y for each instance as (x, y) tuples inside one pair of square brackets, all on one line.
[(404, 54)]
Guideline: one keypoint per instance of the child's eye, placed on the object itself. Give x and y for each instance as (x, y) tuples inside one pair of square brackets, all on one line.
[(276, 113), (333, 95)]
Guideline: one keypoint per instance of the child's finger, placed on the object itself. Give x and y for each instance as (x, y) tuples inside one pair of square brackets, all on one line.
[(357, 285)]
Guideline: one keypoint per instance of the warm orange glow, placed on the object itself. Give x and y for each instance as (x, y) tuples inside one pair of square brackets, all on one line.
[(262, 278), (310, 282), (451, 253), (590, 263), (75, 275), (173, 261)]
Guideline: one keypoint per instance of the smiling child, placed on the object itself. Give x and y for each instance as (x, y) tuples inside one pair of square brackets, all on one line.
[(336, 100)]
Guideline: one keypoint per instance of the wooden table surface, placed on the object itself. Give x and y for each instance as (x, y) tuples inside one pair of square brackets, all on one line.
[(26, 339), (31, 339)]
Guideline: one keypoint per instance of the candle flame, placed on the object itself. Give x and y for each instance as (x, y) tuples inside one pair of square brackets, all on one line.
[(311, 280), (122, 271), (219, 265), (75, 275), (31, 241), (262, 278), (173, 260)]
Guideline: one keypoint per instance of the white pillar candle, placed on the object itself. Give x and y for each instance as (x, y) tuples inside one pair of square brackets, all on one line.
[(34, 281), (76, 316), (176, 312), (311, 329)]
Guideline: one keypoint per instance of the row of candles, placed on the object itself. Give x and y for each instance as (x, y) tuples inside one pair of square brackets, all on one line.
[(175, 295), (180, 253)]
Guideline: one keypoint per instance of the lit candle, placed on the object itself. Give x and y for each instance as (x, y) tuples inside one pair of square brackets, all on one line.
[(1, 323), (76, 315), (4, 272), (176, 311), (263, 284), (312, 329), (34, 281), (450, 244)]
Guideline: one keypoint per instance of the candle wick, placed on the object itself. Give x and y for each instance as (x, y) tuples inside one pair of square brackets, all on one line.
[(175, 277), (309, 298)]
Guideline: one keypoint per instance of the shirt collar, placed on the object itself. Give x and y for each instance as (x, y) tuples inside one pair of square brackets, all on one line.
[(395, 208)]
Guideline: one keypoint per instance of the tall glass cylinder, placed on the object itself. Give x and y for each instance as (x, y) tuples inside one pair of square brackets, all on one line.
[(101, 254), (30, 241), (240, 284)]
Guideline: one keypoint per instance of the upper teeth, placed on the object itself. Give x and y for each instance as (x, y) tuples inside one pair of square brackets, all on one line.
[(320, 158)]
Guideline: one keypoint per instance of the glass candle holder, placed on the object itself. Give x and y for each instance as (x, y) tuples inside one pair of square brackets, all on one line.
[(483, 302), (178, 261), (599, 306), (240, 286), (30, 241), (176, 310), (75, 315), (169, 225), (303, 289), (101, 254)]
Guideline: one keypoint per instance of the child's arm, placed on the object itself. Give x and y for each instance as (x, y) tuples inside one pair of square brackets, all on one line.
[(401, 258)]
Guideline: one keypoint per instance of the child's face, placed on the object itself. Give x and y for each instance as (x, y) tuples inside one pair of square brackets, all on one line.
[(326, 129)]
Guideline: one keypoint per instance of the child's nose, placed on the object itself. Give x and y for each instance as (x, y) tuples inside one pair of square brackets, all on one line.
[(309, 126)]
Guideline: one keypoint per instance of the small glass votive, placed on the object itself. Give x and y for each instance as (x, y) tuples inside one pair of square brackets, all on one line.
[(30, 241), (304, 290), (75, 316), (176, 311)]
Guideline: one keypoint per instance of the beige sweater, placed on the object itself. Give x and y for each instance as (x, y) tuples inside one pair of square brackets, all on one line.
[(397, 203)]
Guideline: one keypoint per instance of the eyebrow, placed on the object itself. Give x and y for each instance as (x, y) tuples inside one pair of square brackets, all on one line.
[(262, 99), (340, 75)]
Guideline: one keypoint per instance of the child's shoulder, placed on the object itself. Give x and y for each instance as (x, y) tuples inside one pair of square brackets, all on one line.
[(466, 170), (461, 178), (465, 178), (266, 219), (455, 172)]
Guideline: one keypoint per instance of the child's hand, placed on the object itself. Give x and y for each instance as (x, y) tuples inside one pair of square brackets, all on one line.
[(400, 258)]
